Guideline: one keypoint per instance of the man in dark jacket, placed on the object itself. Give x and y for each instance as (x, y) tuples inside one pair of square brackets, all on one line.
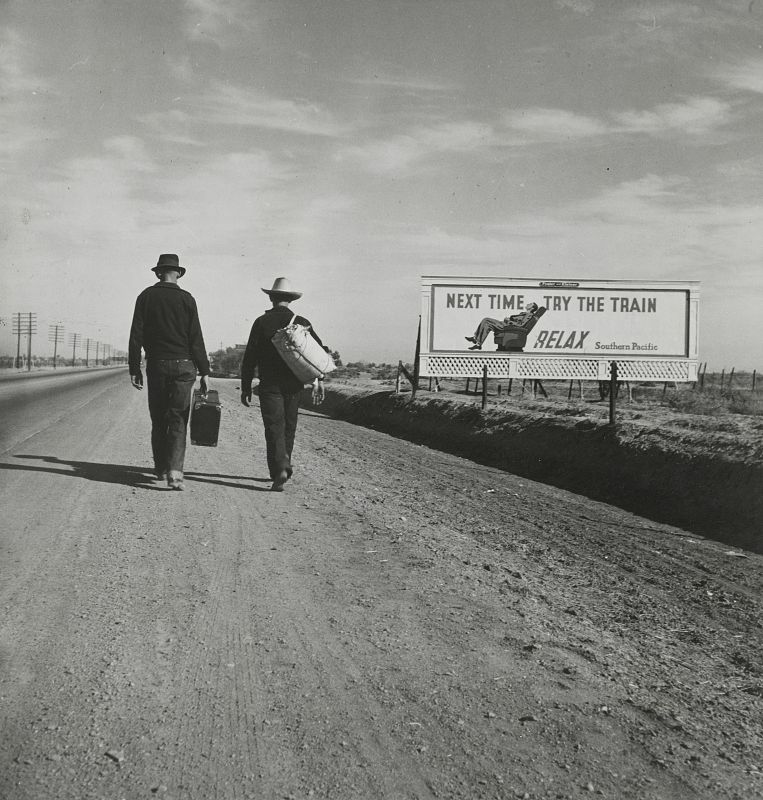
[(166, 325), (279, 388)]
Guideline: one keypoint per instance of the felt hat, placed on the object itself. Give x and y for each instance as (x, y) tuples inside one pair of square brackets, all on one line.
[(282, 288), (169, 261)]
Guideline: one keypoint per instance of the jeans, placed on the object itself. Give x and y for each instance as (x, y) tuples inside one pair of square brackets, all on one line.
[(279, 408), (169, 403)]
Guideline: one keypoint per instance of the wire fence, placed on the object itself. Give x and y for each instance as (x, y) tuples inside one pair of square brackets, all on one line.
[(713, 393)]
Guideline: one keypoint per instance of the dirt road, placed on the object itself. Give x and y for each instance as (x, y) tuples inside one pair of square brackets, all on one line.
[(399, 623)]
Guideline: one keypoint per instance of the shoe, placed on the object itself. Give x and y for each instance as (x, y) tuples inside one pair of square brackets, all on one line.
[(161, 474), (175, 480), (476, 347), (279, 481), (470, 339)]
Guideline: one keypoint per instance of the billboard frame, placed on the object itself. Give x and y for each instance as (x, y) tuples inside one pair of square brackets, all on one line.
[(562, 366)]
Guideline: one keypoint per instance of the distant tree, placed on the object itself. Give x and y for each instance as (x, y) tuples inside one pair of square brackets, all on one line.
[(337, 358), (226, 362)]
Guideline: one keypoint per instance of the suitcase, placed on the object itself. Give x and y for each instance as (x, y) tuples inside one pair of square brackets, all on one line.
[(205, 418)]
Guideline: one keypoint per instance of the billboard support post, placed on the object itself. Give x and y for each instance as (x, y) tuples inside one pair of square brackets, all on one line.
[(416, 362), (612, 392), (484, 387)]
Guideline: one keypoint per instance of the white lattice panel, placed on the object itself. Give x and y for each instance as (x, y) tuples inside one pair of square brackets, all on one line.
[(581, 369), (671, 371), (456, 366), (506, 365)]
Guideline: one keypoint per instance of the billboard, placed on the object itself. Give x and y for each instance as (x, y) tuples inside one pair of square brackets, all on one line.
[(560, 318), (527, 327)]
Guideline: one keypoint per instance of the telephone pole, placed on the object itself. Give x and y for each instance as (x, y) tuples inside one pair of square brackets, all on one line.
[(87, 352), (31, 328), (24, 324), (17, 332), (55, 335), (74, 340)]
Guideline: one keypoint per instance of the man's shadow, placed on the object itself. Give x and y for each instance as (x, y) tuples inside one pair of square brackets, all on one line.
[(127, 475)]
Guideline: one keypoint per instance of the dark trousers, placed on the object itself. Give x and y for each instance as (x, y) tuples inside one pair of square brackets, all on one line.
[(486, 327), (169, 402), (280, 408)]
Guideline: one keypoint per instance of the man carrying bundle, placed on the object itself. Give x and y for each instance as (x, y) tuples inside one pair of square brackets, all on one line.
[(279, 387)]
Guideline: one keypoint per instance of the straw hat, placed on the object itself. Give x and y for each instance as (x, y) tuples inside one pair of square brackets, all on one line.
[(282, 288)]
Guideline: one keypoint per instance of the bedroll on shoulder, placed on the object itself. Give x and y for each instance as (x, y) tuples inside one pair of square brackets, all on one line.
[(302, 354)]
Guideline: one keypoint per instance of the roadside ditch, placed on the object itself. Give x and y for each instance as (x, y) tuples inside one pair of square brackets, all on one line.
[(688, 478)]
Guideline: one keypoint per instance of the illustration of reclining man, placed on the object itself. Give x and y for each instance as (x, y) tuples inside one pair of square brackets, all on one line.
[(510, 334)]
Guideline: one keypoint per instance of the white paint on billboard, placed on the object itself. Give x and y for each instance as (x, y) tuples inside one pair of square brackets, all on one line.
[(576, 318)]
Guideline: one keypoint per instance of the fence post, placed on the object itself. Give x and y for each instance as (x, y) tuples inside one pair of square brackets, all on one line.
[(731, 378), (723, 375), (754, 375), (612, 392), (397, 380), (484, 387)]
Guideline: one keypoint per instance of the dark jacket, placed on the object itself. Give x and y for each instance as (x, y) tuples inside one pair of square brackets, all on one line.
[(166, 325), (262, 357)]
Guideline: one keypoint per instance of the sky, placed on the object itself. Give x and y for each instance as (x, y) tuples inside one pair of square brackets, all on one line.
[(355, 146)]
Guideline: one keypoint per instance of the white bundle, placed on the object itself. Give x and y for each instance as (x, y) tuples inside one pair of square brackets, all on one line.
[(302, 354)]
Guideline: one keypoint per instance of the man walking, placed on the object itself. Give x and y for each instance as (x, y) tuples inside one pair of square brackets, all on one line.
[(279, 388), (166, 325)]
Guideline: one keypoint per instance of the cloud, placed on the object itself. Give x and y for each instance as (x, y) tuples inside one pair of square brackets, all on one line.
[(130, 150), (695, 116), (535, 126), (230, 105), (172, 127), (553, 124), (22, 92), (181, 68), (221, 22), (14, 75), (399, 152), (584, 7), (747, 76), (651, 228), (401, 83), (227, 104)]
